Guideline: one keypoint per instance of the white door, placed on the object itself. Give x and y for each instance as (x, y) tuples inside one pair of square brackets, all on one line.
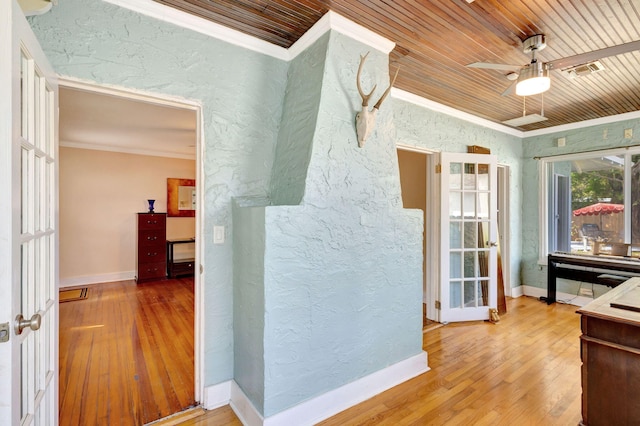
[(28, 222), (468, 280)]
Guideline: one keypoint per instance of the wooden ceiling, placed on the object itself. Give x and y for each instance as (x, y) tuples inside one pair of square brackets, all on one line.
[(436, 39)]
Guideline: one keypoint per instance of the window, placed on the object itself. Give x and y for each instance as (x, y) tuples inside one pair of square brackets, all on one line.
[(590, 203)]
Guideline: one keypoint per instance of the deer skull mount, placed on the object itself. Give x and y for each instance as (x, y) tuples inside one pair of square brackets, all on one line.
[(365, 119)]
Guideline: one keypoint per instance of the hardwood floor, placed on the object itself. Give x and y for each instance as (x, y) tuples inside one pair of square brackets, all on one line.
[(126, 353), (525, 370)]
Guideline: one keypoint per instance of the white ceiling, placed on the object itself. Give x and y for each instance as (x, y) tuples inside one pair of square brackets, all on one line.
[(92, 120)]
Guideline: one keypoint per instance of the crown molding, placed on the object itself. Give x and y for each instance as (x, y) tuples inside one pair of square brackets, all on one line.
[(330, 21), (634, 115), (203, 26), (437, 107), (333, 21)]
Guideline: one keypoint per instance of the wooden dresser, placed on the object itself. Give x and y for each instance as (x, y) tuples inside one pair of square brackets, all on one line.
[(152, 250), (610, 351)]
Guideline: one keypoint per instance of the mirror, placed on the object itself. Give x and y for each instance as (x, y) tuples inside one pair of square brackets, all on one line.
[(181, 197)]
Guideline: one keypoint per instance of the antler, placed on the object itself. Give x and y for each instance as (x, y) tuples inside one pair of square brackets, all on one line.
[(365, 98), (386, 92)]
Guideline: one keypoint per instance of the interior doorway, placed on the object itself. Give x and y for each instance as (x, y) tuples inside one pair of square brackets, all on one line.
[(419, 191), (413, 182), (135, 121)]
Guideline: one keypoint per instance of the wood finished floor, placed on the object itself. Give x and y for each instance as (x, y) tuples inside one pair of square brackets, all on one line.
[(525, 370), (126, 353)]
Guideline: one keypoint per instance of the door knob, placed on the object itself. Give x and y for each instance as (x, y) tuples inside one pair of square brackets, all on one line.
[(492, 244), (33, 323)]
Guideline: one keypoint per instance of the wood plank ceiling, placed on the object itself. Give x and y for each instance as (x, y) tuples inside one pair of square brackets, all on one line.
[(436, 39)]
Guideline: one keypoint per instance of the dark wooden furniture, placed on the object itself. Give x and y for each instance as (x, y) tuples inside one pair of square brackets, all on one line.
[(152, 252), (610, 351), (606, 270), (179, 267)]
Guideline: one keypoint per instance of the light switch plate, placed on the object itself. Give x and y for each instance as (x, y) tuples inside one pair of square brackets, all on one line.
[(218, 235), (628, 133)]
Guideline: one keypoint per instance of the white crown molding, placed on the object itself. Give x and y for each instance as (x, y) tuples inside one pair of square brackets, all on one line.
[(587, 123), (203, 26), (357, 32), (333, 21), (437, 107), (330, 21), (127, 150)]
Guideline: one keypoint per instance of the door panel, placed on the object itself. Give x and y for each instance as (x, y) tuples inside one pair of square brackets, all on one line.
[(28, 218), (468, 236)]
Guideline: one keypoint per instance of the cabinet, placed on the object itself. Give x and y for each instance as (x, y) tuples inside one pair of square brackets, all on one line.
[(152, 252), (179, 267), (610, 351)]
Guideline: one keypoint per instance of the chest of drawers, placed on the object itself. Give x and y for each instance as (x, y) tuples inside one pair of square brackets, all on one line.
[(152, 250)]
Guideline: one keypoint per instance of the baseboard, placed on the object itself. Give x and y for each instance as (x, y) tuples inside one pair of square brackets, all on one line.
[(97, 279), (328, 404), (244, 409), (217, 396), (517, 291), (561, 297)]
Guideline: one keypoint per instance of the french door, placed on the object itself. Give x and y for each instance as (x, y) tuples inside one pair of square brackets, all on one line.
[(468, 236), (28, 226)]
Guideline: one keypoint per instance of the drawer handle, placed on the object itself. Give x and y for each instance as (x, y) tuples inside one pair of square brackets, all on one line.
[(152, 238), (152, 222), (152, 254)]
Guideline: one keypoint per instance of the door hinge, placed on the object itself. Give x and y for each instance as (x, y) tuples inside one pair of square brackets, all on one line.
[(438, 305), (438, 168)]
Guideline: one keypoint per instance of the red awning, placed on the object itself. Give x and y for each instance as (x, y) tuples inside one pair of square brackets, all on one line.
[(599, 208)]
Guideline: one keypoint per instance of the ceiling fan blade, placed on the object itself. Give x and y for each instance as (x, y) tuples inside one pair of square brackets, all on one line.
[(511, 90), (584, 58), (505, 67)]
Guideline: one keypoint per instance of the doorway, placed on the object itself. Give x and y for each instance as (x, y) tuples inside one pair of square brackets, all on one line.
[(420, 191), (134, 135), (414, 181)]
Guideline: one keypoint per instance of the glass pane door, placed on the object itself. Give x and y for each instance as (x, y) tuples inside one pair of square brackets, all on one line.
[(469, 226)]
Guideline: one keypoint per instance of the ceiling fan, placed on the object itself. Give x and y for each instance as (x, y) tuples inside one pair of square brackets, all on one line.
[(533, 78)]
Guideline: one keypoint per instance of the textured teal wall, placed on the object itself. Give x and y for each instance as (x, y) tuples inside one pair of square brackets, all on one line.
[(343, 270), (300, 112), (241, 94), (420, 127), (577, 140), (248, 299)]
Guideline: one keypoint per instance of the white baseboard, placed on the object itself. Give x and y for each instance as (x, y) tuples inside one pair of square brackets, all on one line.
[(244, 409), (330, 403), (97, 279), (517, 291), (561, 297), (217, 396)]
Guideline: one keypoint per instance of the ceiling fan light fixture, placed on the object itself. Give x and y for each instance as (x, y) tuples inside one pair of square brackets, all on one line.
[(533, 79)]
